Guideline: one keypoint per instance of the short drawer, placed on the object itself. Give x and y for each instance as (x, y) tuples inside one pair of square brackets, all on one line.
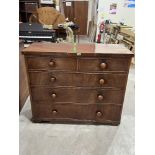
[(77, 95), (77, 112), (50, 63), (57, 78), (107, 64)]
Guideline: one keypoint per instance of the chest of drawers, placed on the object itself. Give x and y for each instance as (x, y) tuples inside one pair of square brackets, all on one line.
[(67, 87)]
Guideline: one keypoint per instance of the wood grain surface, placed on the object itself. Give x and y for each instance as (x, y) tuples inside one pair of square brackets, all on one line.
[(46, 48), (70, 88)]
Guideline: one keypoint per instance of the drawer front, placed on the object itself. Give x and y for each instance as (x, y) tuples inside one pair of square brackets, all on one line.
[(78, 112), (77, 95), (78, 79), (50, 63), (108, 64)]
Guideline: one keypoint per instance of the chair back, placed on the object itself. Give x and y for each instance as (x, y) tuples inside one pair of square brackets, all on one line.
[(49, 16)]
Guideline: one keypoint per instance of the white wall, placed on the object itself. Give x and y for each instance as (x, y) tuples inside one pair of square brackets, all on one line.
[(89, 12), (123, 13)]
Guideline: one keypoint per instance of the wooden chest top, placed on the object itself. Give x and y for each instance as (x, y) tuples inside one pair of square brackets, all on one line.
[(89, 49)]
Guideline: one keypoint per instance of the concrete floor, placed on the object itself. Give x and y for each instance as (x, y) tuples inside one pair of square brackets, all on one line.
[(64, 139)]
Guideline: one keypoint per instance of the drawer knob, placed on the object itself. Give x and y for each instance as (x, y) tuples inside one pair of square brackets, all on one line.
[(53, 95), (53, 79), (99, 114), (102, 81), (103, 65), (51, 63), (54, 112), (100, 97)]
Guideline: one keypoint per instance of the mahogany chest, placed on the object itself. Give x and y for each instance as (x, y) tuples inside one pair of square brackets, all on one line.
[(84, 87)]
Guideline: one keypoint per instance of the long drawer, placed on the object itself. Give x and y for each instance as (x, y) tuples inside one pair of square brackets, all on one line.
[(77, 95), (58, 78), (79, 64), (81, 112)]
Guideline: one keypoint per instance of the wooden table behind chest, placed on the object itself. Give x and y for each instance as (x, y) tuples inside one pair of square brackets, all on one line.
[(86, 88)]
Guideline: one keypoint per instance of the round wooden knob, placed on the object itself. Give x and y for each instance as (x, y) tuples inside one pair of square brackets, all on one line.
[(54, 112), (102, 81), (99, 114), (51, 63), (103, 65), (100, 97), (53, 79), (53, 95)]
